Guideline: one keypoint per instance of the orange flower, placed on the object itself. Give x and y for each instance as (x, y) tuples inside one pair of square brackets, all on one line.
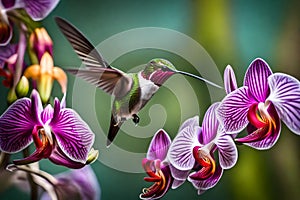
[(44, 74)]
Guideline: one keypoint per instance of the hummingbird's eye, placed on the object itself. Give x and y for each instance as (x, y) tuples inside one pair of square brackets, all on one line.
[(152, 62)]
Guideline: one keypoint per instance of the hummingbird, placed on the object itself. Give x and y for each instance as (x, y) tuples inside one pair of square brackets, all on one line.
[(131, 91)]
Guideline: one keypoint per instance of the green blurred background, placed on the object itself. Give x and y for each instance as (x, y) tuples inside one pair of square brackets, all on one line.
[(232, 32)]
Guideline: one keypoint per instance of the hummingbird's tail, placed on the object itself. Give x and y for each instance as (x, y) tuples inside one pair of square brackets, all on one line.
[(113, 130)]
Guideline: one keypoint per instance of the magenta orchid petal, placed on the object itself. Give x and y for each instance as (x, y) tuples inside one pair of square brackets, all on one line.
[(210, 124), (159, 146), (37, 9), (256, 78), (16, 125), (230, 83), (73, 135), (47, 114), (36, 107), (207, 183), (228, 153), (233, 110), (59, 158), (180, 153), (194, 121), (34, 157), (285, 96)]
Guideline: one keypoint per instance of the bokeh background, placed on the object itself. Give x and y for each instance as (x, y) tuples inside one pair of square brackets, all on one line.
[(232, 32)]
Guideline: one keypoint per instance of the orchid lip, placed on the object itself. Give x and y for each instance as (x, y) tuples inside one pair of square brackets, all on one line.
[(264, 118), (159, 176), (198, 77), (206, 161)]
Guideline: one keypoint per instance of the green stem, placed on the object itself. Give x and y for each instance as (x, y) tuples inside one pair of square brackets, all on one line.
[(21, 53), (4, 158), (44, 175)]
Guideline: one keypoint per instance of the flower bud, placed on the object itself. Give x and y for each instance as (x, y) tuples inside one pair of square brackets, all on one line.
[(22, 87), (11, 96), (92, 156), (40, 42)]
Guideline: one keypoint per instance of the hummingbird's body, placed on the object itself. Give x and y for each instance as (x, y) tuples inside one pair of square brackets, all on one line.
[(131, 90)]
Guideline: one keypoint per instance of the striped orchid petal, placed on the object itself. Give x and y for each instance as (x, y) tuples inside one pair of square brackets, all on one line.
[(181, 150), (230, 83), (47, 114), (256, 79), (210, 124), (233, 110), (285, 95), (159, 146), (37, 9), (73, 135), (228, 153), (194, 121), (16, 125), (179, 174)]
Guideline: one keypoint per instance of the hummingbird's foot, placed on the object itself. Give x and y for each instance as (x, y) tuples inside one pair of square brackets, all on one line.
[(120, 121), (135, 119)]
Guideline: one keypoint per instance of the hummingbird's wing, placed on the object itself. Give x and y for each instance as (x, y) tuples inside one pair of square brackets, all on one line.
[(113, 130), (112, 81), (97, 72), (81, 45)]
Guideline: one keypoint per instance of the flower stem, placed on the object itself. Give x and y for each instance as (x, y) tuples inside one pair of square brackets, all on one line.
[(21, 53), (4, 158), (45, 176), (33, 185)]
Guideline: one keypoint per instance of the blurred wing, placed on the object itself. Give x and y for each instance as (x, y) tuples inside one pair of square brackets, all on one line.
[(113, 130), (81, 45), (112, 81)]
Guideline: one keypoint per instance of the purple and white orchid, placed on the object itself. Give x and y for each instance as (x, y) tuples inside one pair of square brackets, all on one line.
[(157, 167), (259, 105), (193, 149), (36, 9), (58, 133)]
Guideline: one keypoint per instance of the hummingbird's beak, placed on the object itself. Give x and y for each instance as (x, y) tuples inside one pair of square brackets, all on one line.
[(197, 77)]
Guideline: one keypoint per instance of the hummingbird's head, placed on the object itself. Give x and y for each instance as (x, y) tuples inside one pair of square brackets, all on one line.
[(158, 71)]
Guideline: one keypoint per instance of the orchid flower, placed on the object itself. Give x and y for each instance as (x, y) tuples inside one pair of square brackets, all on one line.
[(157, 167), (259, 105), (44, 74), (194, 148), (58, 133), (36, 9)]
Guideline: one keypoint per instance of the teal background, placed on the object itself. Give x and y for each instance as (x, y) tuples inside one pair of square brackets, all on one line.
[(233, 32)]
